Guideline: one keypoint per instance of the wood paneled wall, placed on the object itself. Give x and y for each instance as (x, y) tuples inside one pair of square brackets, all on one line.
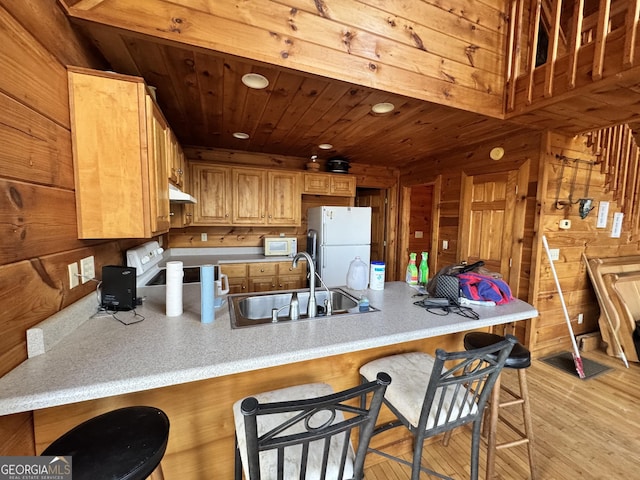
[(447, 171), (558, 183), (38, 236)]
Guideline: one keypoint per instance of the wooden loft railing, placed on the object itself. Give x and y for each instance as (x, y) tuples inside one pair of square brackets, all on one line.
[(565, 27), (619, 158)]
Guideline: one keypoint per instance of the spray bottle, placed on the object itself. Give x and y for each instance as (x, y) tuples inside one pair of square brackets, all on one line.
[(412, 270)]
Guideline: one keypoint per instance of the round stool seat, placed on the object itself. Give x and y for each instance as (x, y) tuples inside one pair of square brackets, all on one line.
[(519, 357), (124, 444)]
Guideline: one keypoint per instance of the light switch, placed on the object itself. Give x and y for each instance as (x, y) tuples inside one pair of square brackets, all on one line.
[(565, 224), (419, 234), (445, 244)]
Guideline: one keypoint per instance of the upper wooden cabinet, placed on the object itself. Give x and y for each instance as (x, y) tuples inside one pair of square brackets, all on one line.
[(245, 196), (120, 156), (176, 161), (338, 185)]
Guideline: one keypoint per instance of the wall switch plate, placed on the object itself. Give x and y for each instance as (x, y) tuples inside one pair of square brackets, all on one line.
[(554, 253), (445, 244), (74, 281), (203, 237), (87, 269), (565, 224), (419, 234), (580, 318)]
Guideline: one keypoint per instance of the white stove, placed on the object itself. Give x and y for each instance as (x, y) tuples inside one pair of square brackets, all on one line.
[(145, 258)]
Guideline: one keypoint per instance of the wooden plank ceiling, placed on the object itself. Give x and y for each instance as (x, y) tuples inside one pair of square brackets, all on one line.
[(201, 94)]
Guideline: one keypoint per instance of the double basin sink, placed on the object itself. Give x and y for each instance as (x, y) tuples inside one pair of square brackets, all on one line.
[(258, 308)]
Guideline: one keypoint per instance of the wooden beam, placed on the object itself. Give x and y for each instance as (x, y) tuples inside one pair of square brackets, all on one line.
[(552, 54), (631, 27), (533, 49), (601, 39), (575, 42)]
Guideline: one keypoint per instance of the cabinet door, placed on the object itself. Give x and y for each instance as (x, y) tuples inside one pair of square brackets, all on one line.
[(237, 276), (211, 185), (343, 185), (316, 183), (262, 277), (158, 169), (176, 161), (290, 278), (284, 203), (248, 196)]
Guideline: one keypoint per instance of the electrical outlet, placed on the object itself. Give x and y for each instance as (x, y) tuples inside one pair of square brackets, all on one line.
[(419, 234), (74, 281), (554, 253), (580, 318), (87, 269), (203, 237)]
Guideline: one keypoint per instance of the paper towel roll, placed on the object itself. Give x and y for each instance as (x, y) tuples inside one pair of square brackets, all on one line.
[(174, 289), (207, 292)]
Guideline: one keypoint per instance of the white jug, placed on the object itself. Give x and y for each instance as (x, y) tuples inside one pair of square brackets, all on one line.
[(358, 275), (220, 290)]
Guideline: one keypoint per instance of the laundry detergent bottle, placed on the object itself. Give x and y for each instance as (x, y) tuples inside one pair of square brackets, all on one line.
[(412, 270)]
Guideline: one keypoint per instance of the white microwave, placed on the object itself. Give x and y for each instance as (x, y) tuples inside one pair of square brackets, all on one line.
[(281, 246)]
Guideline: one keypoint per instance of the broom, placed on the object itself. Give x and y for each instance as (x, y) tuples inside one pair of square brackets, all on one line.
[(576, 354)]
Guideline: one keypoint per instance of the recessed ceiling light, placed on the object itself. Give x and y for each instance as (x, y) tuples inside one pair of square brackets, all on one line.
[(255, 80), (325, 146), (241, 135), (384, 107)]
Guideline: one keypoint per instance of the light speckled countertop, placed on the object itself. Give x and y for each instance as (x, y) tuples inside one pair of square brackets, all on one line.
[(102, 357)]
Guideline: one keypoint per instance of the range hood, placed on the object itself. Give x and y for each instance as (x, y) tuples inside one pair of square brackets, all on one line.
[(178, 196)]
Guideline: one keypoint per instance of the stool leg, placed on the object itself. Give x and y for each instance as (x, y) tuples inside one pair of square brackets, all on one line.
[(528, 424), (493, 428), (157, 473)]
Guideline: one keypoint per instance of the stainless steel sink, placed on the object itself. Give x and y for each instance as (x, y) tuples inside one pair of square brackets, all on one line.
[(257, 308)]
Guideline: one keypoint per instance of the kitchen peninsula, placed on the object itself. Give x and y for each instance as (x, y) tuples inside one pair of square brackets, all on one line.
[(194, 371)]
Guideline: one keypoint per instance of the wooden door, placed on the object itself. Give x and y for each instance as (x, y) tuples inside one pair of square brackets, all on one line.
[(487, 221), (284, 198), (376, 199), (248, 186), (211, 185)]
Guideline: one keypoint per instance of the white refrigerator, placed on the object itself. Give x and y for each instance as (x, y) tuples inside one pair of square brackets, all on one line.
[(343, 234)]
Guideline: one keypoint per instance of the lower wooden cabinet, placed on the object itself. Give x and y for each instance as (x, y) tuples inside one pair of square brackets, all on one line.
[(264, 276)]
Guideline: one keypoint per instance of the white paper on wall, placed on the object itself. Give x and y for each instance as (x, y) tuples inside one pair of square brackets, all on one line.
[(603, 212), (616, 230)]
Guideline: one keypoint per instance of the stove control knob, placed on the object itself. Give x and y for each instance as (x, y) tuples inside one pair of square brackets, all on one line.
[(145, 259), (159, 250)]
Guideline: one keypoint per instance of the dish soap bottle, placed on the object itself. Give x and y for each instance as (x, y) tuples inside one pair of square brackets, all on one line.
[(412, 270), (423, 275), (358, 275)]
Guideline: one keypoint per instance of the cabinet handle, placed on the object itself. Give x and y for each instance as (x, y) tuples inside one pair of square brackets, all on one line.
[(226, 214), (262, 270), (262, 216)]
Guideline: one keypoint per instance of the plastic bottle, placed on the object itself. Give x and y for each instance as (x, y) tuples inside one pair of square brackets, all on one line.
[(423, 271), (363, 304), (358, 274), (412, 270)]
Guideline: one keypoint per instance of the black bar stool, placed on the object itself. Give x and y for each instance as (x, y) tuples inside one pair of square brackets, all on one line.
[(124, 444), (519, 359)]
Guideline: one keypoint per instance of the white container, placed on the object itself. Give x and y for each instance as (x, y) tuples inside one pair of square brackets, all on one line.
[(376, 278), (357, 275)]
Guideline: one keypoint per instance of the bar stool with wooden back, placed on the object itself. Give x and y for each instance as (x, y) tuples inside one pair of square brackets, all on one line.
[(123, 444), (519, 359)]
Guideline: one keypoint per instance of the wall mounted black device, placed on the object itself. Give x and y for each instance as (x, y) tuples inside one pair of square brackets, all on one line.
[(118, 288)]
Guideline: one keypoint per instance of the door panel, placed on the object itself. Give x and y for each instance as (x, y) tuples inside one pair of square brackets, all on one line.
[(375, 198), (487, 233)]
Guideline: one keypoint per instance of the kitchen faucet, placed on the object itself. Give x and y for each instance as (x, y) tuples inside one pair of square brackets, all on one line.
[(312, 306)]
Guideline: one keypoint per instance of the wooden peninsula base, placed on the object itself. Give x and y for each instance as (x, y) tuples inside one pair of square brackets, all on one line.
[(201, 440)]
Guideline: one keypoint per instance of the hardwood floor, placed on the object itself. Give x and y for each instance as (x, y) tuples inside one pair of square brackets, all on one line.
[(584, 429)]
